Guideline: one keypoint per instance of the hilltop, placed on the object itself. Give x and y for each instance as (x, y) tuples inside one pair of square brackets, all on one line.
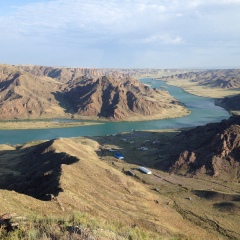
[(65, 74)]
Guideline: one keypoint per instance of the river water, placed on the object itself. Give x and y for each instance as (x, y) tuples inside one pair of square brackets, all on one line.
[(203, 110)]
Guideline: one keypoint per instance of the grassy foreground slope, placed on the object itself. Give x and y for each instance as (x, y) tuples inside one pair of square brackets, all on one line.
[(63, 176)]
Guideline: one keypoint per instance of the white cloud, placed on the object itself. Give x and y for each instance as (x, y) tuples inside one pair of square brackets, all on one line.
[(135, 25), (163, 39), (90, 16)]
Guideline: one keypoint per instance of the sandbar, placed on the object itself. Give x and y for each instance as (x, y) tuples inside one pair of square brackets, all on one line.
[(11, 125)]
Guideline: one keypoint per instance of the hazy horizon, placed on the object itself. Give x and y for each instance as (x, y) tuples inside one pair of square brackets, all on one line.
[(121, 34)]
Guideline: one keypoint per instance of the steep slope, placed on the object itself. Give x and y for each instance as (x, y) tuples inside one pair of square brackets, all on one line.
[(213, 149), (23, 95), (120, 98), (43, 92), (85, 183), (230, 103)]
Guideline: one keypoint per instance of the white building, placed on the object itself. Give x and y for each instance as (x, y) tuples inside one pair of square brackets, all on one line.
[(145, 170)]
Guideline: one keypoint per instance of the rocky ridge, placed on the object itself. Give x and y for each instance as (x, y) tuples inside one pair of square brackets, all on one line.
[(65, 74), (117, 98), (218, 78), (213, 149), (42, 92)]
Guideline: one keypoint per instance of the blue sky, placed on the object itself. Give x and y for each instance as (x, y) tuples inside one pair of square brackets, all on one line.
[(121, 33)]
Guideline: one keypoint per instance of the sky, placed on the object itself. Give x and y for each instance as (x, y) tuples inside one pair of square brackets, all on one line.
[(121, 33)]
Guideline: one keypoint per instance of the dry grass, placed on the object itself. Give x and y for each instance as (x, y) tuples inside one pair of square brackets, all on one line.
[(179, 192), (8, 125), (113, 205), (202, 91)]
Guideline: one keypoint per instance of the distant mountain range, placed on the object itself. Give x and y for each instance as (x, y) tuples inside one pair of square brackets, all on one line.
[(220, 78)]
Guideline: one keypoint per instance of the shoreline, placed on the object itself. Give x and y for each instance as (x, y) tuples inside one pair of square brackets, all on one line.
[(41, 124), (207, 92), (176, 112), (201, 91)]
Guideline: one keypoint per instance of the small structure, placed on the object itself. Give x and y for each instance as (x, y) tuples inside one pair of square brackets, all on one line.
[(118, 155), (112, 150), (145, 170)]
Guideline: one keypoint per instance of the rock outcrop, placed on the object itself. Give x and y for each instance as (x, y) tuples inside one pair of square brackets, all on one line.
[(23, 95), (231, 103), (33, 92), (213, 149), (116, 98)]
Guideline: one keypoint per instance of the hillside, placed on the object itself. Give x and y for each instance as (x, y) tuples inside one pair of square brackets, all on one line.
[(120, 98), (23, 95), (42, 92), (60, 176), (213, 149), (197, 169), (230, 103), (192, 193), (223, 78), (65, 74)]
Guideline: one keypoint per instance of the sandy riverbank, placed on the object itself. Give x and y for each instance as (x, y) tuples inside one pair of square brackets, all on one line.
[(10, 125), (202, 91)]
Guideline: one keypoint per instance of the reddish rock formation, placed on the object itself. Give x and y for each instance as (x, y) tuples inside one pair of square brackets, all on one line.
[(45, 92), (213, 149), (116, 98), (23, 95)]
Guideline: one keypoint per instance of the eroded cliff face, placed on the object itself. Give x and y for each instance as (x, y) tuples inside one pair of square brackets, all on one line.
[(213, 149), (43, 92), (116, 98), (23, 95), (63, 74)]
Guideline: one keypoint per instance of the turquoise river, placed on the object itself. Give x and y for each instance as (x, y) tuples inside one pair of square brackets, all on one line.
[(203, 110)]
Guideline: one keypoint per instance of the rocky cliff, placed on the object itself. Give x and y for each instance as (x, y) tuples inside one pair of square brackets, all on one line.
[(23, 95), (117, 98), (43, 92), (213, 149)]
